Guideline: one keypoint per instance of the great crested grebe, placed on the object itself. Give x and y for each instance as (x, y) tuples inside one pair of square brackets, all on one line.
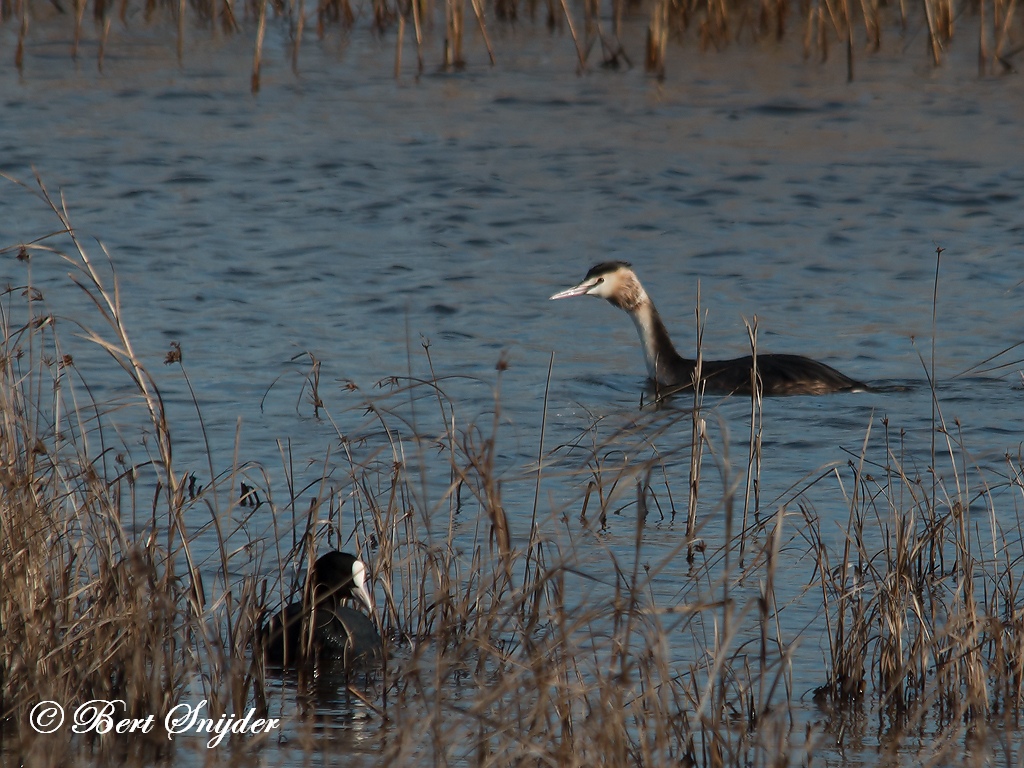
[(779, 374), (324, 631)]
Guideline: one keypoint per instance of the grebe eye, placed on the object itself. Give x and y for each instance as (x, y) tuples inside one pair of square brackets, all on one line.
[(599, 281)]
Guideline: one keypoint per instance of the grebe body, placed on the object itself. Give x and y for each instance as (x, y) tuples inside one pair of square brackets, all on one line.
[(616, 282)]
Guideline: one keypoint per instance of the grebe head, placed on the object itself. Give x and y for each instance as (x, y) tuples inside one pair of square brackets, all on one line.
[(614, 281)]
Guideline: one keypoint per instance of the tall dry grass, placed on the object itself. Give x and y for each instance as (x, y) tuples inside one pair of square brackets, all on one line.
[(101, 596), (510, 644), (566, 633), (924, 598)]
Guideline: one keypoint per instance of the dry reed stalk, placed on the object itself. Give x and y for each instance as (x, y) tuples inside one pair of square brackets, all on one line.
[(103, 43), (506, 10), (718, 17), (752, 486), (506, 651), (454, 24), (698, 439), (849, 53), (946, 17), (715, 28), (931, 642), (417, 13), (591, 16), (552, 16), (808, 35), (534, 531), (982, 43), (106, 297), (872, 23), (478, 10), (504, 637), (657, 39), (19, 53), (781, 14), (580, 55), (181, 32), (79, 9), (228, 21), (823, 30), (698, 433), (261, 30), (89, 610), (934, 44), (1002, 32), (772, 13), (399, 39), (383, 15), (300, 28)]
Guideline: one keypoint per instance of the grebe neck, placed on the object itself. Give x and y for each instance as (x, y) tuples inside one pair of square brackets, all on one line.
[(664, 365)]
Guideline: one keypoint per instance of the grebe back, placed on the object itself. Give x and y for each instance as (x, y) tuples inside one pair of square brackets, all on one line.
[(616, 282)]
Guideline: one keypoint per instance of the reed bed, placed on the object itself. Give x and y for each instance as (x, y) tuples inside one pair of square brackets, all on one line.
[(517, 634), (924, 600), (856, 28)]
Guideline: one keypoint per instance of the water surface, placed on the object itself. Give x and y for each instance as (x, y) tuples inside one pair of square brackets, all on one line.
[(342, 215)]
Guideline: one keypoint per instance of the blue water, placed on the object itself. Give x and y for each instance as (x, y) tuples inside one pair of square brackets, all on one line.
[(343, 216)]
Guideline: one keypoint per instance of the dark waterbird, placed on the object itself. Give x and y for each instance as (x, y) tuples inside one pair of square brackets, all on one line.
[(320, 630), (779, 374)]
